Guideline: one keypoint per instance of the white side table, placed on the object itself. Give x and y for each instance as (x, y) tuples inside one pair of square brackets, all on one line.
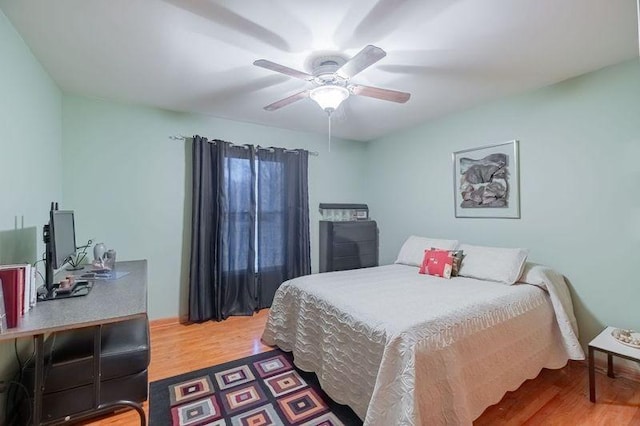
[(605, 342)]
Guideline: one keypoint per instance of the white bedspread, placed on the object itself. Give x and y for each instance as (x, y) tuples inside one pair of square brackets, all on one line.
[(402, 348)]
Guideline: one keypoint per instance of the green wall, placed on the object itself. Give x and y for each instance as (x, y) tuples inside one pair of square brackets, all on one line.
[(30, 157), (129, 184), (30, 136), (580, 186)]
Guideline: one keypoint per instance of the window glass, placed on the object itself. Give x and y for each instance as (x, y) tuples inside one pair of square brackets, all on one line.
[(269, 223), (238, 223), (271, 215)]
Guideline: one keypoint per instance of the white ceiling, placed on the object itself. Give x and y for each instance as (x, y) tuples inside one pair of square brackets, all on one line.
[(197, 55)]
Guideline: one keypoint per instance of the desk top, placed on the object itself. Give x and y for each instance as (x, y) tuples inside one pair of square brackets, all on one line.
[(608, 343), (108, 301)]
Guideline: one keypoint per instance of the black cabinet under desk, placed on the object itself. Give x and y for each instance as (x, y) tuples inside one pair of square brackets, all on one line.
[(348, 245)]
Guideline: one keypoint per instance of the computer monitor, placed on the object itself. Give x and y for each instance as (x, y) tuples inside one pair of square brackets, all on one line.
[(63, 236), (60, 240)]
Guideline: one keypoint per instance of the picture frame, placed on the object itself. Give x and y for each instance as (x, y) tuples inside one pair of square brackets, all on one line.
[(486, 181)]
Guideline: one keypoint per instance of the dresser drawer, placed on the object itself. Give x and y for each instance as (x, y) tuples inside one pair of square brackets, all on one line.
[(354, 262), (354, 248), (354, 231)]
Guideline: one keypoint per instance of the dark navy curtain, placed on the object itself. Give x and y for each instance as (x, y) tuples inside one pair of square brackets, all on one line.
[(222, 279), (283, 243), (250, 227)]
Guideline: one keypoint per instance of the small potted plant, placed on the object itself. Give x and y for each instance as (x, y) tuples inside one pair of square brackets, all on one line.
[(76, 260)]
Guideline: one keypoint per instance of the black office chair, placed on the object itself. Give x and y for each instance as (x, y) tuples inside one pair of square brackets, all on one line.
[(68, 371)]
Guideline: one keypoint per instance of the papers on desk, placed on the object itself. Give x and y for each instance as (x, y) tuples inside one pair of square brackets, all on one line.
[(111, 276), (104, 275)]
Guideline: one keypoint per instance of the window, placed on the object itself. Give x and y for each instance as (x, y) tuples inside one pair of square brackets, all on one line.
[(238, 219), (270, 223), (267, 223), (250, 226)]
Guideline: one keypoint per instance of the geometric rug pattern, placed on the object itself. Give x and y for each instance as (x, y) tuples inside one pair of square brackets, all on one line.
[(262, 390)]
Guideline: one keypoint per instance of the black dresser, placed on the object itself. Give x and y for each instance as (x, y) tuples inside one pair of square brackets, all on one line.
[(348, 245)]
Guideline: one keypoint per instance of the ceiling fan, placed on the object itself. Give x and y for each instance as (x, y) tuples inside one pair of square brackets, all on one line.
[(330, 76)]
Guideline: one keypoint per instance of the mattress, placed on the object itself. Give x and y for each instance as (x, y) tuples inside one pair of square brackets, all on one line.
[(402, 348)]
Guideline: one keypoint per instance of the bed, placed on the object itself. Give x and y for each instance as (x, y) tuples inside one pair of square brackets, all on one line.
[(402, 348)]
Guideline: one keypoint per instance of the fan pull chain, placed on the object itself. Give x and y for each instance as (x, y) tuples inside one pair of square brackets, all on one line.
[(329, 116), (638, 12)]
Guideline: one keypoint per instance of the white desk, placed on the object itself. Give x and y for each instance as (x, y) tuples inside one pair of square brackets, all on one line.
[(605, 342), (108, 302)]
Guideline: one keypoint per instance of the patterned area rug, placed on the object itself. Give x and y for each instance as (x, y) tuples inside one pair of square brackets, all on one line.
[(261, 390)]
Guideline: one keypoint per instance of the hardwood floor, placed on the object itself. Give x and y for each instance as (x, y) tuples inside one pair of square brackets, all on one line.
[(555, 397)]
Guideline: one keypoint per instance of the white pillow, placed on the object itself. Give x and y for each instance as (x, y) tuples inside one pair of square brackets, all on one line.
[(504, 265), (412, 251)]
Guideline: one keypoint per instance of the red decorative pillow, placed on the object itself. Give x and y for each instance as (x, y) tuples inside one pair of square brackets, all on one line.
[(458, 255), (438, 263)]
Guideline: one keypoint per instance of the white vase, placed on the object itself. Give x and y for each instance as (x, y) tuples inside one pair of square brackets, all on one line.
[(98, 251)]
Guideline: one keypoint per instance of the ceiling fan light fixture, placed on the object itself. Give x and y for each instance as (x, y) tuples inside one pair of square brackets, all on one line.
[(329, 97)]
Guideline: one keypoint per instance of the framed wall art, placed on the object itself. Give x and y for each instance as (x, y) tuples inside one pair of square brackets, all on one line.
[(486, 181)]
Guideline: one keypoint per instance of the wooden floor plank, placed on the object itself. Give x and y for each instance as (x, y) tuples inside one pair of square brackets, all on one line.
[(555, 397)]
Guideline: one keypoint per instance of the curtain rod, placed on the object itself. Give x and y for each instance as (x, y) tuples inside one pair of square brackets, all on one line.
[(184, 138)]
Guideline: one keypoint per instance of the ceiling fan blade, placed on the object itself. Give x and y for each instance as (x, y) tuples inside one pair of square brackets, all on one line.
[(286, 101), (378, 93), (282, 69), (363, 59)]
